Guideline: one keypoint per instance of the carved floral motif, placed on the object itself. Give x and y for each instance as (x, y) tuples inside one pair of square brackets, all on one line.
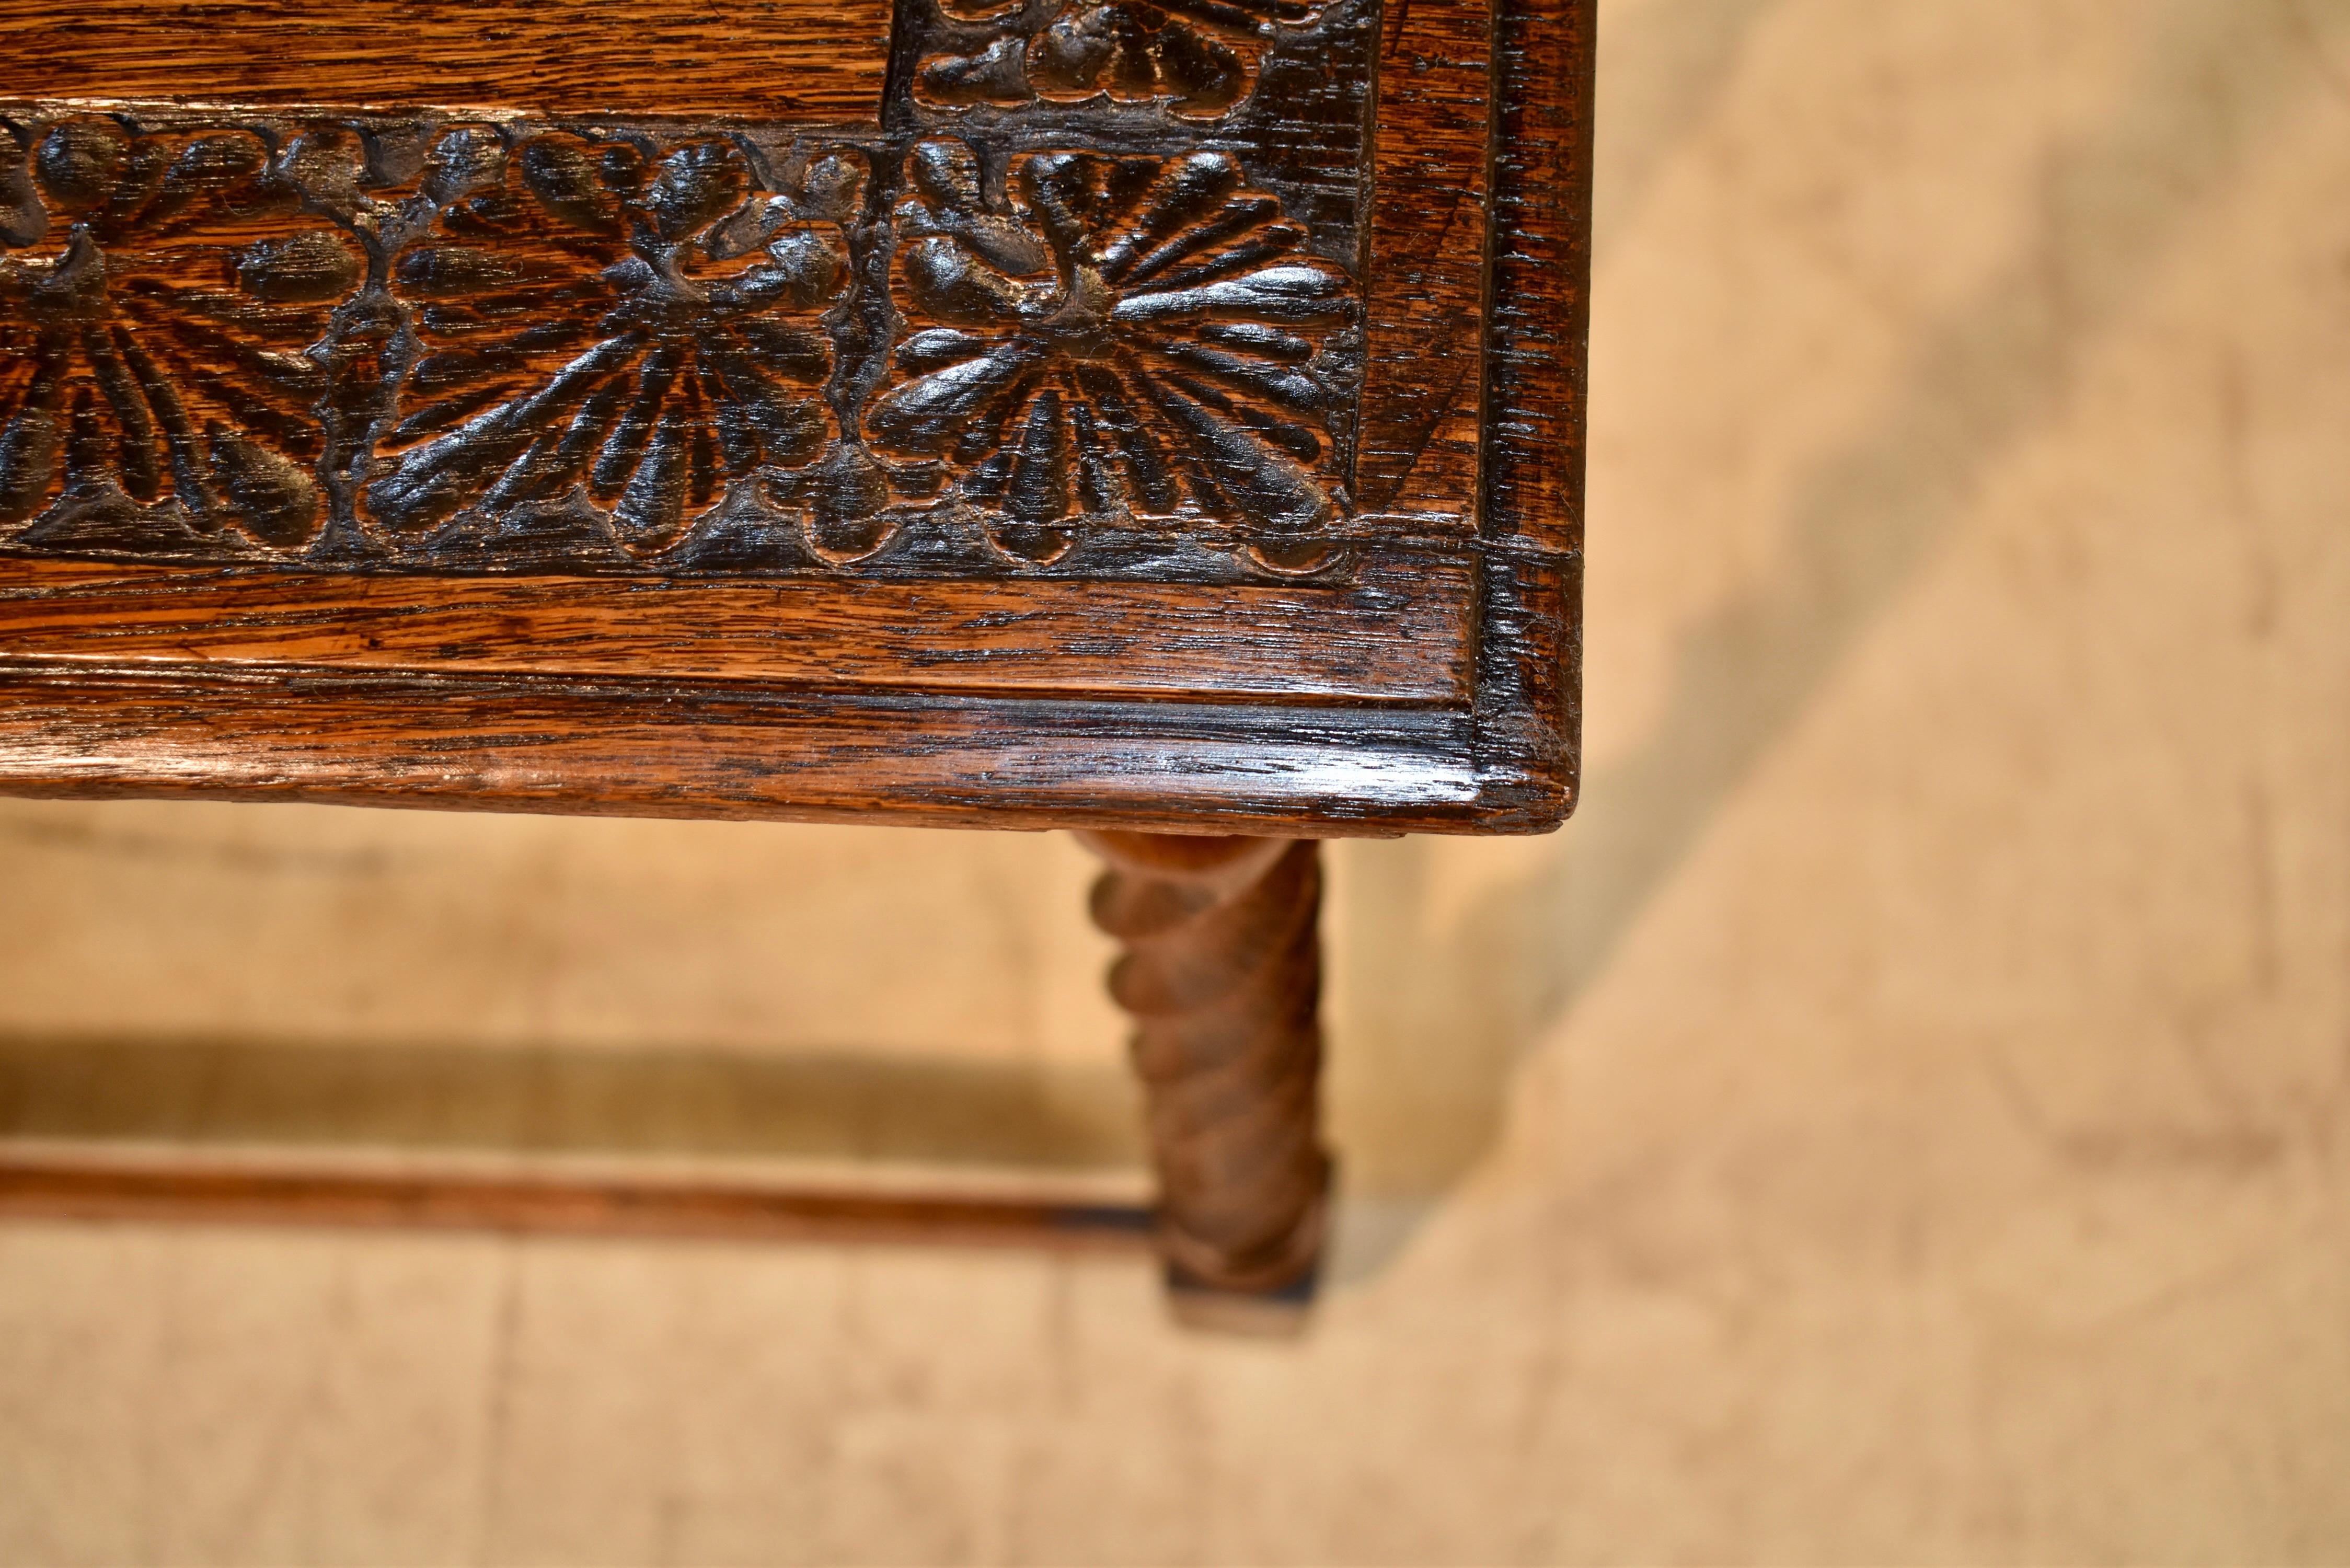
[(158, 296), (1197, 56), (472, 345), (637, 330), (1121, 336)]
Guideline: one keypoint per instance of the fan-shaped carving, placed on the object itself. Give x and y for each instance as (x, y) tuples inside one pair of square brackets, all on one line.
[(1197, 57), (635, 330), (159, 299), (1123, 336)]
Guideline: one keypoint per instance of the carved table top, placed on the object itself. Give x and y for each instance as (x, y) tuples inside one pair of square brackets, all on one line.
[(1119, 412)]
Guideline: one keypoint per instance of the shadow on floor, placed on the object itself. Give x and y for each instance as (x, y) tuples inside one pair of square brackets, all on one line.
[(1445, 1016), (665, 1105)]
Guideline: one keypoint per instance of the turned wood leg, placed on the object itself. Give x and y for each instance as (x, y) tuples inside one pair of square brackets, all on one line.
[(1222, 973)]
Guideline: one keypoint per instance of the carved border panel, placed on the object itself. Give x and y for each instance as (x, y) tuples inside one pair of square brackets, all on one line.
[(1088, 305)]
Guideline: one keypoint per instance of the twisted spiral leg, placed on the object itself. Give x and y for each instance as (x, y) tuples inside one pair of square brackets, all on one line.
[(1222, 973)]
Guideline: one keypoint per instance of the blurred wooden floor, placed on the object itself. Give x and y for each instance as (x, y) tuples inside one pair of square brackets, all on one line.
[(1905, 1118)]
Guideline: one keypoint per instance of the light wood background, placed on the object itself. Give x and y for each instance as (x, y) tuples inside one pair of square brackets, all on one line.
[(1904, 1118)]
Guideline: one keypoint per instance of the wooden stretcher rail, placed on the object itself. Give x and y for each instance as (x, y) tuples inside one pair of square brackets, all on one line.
[(81, 1186)]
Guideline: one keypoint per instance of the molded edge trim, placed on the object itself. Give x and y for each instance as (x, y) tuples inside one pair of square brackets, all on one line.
[(1529, 622)]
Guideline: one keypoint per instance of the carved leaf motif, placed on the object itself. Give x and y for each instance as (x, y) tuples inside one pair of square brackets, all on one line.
[(1197, 56), (1130, 335), (157, 298), (637, 328)]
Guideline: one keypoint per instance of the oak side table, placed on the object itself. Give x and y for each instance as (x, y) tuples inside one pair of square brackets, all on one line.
[(1160, 419)]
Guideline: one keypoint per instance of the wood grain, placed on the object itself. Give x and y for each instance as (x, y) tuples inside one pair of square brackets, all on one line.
[(1390, 638), (1531, 478), (678, 749), (812, 60), (1418, 450)]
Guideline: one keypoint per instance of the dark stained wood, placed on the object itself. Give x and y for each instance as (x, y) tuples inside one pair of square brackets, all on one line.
[(1198, 58), (50, 1184), (1537, 320), (427, 345), (819, 60), (1162, 416), (1222, 973), (1427, 270)]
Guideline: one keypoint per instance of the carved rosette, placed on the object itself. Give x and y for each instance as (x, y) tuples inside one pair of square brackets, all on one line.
[(626, 333), (1199, 57), (431, 343), (1120, 339), (160, 300), (1222, 973)]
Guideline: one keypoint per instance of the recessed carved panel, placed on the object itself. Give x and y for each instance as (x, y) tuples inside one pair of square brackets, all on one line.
[(1136, 338), (1087, 341), (1199, 57), (624, 336), (158, 299)]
